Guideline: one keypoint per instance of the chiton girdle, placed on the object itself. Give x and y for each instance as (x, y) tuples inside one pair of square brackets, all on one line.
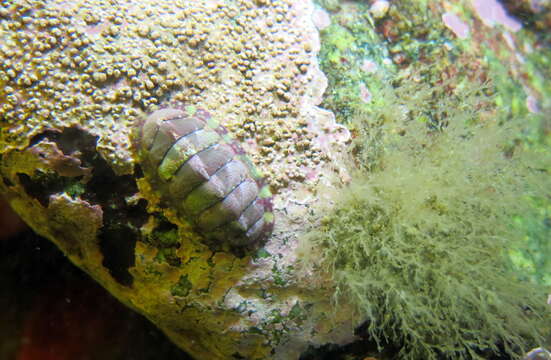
[(206, 176)]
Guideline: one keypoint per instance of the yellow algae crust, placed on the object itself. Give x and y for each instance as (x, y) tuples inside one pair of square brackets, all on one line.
[(100, 64), (96, 67)]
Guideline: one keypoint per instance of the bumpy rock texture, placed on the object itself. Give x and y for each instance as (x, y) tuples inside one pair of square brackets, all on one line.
[(98, 64), (76, 77)]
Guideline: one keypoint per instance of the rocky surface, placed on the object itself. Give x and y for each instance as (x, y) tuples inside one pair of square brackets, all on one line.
[(76, 78)]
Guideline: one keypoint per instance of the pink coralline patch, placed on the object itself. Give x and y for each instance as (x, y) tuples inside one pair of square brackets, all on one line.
[(509, 40), (329, 132), (368, 66), (491, 12), (97, 28), (321, 18), (532, 104), (54, 158), (365, 94), (455, 24), (311, 175)]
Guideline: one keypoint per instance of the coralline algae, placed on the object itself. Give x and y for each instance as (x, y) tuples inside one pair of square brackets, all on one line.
[(76, 81), (100, 64)]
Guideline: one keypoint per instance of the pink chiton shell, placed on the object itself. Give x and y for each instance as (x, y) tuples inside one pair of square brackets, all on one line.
[(205, 175)]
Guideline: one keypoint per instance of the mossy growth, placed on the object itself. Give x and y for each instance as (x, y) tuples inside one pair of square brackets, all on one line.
[(357, 48), (165, 238), (419, 239), (182, 288)]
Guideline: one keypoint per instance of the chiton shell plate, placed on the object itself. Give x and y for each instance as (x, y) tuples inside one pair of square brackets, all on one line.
[(205, 175)]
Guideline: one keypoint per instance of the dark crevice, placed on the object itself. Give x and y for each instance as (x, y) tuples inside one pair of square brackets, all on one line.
[(6, 181), (121, 219), (117, 246), (165, 225), (48, 303), (42, 185), (50, 134)]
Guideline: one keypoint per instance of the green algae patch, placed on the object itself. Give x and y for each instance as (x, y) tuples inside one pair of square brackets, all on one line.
[(420, 239), (182, 288), (166, 240), (359, 53), (339, 38), (440, 238)]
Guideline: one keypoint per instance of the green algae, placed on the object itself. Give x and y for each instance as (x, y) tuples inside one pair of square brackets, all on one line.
[(75, 189), (410, 34), (411, 28), (419, 240), (183, 287), (167, 242), (440, 236)]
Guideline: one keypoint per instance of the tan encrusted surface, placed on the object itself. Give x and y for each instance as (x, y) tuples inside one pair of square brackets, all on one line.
[(100, 63), (252, 64)]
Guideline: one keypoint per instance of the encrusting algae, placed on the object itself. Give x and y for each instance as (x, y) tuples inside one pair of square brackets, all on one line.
[(76, 77), (418, 183), (99, 64)]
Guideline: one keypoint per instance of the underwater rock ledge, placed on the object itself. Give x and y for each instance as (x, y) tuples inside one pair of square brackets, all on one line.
[(75, 79)]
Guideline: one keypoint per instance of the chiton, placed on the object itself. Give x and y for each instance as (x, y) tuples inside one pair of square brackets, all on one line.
[(206, 176)]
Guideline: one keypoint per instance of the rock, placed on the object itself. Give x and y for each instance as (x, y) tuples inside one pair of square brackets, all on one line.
[(77, 78)]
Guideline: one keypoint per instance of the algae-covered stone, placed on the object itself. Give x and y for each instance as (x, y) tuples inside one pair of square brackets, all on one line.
[(76, 80)]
